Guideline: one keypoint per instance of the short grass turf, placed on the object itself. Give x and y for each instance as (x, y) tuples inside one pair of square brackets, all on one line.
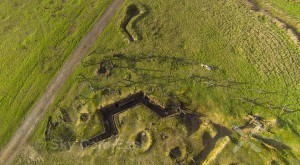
[(254, 60), (287, 11), (36, 38)]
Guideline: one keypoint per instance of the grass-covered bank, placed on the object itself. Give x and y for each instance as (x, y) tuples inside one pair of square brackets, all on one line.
[(36, 38)]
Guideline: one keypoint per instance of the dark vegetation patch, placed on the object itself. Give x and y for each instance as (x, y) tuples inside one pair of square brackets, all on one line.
[(50, 126), (84, 117), (106, 68), (58, 136), (102, 70), (175, 153), (65, 117), (61, 137), (274, 162)]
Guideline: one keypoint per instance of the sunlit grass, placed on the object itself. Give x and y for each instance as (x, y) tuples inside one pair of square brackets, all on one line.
[(256, 67)]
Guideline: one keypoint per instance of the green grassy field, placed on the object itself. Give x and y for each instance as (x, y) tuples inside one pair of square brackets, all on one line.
[(36, 38), (287, 11), (290, 7), (256, 72)]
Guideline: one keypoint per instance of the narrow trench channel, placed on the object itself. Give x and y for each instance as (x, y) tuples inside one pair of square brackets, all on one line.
[(109, 112), (132, 11)]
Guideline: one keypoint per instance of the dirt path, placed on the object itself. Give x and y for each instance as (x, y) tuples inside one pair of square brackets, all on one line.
[(29, 124)]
